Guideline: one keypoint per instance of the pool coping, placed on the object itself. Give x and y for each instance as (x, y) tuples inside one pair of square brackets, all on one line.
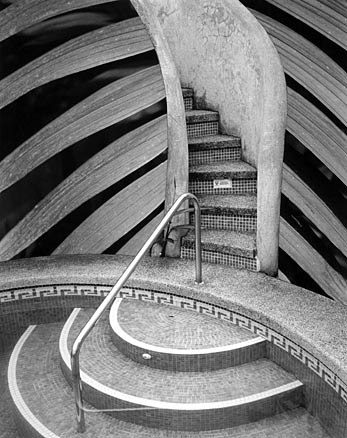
[(317, 324)]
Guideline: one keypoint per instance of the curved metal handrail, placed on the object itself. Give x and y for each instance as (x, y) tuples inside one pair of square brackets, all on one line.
[(112, 295)]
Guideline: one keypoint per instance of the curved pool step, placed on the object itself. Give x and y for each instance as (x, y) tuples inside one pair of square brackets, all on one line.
[(180, 340), (176, 401), (44, 404)]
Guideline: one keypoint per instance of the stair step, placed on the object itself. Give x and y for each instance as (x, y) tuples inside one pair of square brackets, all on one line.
[(232, 204), (230, 177), (228, 212), (224, 242), (112, 380), (199, 116), (187, 92), (45, 407), (201, 123), (214, 148), (179, 339)]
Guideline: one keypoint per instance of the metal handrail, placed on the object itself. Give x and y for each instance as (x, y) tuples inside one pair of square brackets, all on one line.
[(112, 295)]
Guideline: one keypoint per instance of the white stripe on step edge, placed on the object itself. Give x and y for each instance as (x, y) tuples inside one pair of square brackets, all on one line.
[(126, 337), (15, 393), (157, 403)]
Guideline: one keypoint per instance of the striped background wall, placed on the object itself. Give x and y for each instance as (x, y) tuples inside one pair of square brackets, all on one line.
[(69, 164), (311, 38), (84, 138)]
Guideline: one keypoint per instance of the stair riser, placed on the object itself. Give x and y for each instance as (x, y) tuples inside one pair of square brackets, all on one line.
[(215, 257), (239, 186), (188, 103), (232, 222), (202, 129), (190, 362), (216, 155)]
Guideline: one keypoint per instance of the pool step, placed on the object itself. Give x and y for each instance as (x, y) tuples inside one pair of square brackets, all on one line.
[(177, 401), (44, 404), (180, 340), (228, 212)]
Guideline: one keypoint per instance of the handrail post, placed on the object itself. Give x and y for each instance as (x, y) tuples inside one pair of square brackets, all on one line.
[(76, 348)]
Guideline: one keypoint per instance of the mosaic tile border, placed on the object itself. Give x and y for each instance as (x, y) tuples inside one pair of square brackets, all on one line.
[(216, 155), (234, 222), (239, 186), (321, 370), (202, 128), (220, 258)]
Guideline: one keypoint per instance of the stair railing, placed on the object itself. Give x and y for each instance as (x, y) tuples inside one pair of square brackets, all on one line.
[(112, 295)]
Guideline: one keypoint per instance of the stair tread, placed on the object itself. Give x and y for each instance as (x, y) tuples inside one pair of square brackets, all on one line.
[(104, 363), (223, 167), (241, 203), (187, 92), (197, 116), (227, 241), (57, 413), (174, 328), (215, 140)]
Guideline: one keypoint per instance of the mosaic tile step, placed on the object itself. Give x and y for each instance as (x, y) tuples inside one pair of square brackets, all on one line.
[(214, 148), (39, 415), (220, 171), (199, 116), (224, 241), (187, 92), (180, 340), (231, 204), (184, 401), (219, 141)]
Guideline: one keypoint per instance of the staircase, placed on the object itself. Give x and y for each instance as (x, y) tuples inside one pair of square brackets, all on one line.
[(158, 371), (226, 188)]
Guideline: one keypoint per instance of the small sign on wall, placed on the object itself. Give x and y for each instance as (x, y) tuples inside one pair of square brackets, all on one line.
[(222, 184)]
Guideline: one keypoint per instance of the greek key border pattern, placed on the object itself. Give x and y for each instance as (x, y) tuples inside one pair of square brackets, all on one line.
[(39, 292)]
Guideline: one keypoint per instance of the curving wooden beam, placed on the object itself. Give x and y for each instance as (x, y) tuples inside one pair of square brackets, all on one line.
[(316, 132), (314, 209), (133, 246), (118, 215), (309, 66), (328, 17), (24, 13), (332, 282), (111, 104), (113, 163), (110, 43)]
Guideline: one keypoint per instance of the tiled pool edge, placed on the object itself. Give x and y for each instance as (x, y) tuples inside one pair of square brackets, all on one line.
[(100, 291)]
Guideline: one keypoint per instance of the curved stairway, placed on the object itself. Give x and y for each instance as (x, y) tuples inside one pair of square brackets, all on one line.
[(200, 377), (226, 188)]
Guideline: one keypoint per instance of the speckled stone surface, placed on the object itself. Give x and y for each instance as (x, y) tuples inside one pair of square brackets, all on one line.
[(214, 141), (198, 116), (225, 241), (228, 169), (187, 92), (172, 327), (316, 323), (57, 413), (242, 204)]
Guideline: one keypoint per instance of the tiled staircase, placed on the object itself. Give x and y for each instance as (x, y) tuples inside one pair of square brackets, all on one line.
[(226, 188), (158, 370)]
